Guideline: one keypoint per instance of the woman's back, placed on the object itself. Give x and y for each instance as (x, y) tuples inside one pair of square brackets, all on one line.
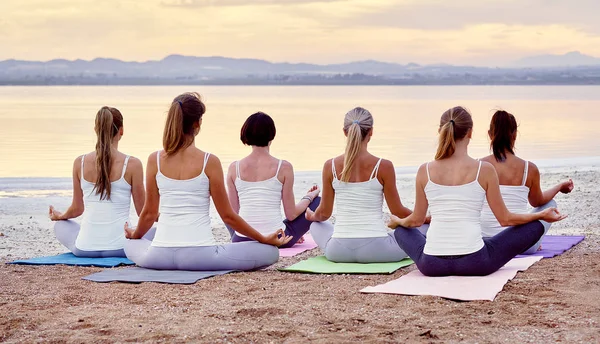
[(259, 189), (103, 218), (359, 202), (513, 175), (455, 199), (184, 200)]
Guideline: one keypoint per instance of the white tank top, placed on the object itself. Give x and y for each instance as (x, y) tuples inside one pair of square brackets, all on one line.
[(455, 227), (103, 220), (184, 210), (260, 202), (516, 198), (359, 207)]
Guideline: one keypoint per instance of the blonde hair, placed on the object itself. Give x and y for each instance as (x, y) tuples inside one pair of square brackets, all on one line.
[(455, 123), (108, 122), (357, 124), (185, 111)]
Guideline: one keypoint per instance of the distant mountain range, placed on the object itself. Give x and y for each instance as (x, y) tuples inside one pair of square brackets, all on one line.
[(571, 59), (178, 69)]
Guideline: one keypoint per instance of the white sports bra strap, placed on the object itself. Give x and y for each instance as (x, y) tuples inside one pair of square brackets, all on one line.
[(478, 170), (237, 169), (278, 168), (375, 170), (125, 166), (158, 161), (333, 169), (525, 173), (82, 158), (427, 168), (206, 156)]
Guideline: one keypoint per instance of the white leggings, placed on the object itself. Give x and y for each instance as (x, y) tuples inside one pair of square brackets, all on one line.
[(356, 250), (241, 256)]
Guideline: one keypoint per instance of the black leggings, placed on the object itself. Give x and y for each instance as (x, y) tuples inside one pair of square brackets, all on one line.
[(496, 252), (295, 228)]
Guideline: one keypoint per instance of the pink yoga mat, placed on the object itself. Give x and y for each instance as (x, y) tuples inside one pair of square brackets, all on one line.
[(455, 287), (308, 244)]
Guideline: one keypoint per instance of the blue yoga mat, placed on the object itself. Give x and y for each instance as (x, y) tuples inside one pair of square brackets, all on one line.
[(139, 275), (71, 259)]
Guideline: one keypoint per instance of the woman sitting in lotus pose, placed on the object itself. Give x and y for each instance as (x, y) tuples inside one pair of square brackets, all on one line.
[(179, 182), (519, 179), (454, 187), (259, 183), (104, 181), (358, 181)]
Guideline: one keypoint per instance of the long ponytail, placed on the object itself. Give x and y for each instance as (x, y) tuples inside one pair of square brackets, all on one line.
[(108, 122), (503, 133), (185, 112), (357, 124), (455, 123)]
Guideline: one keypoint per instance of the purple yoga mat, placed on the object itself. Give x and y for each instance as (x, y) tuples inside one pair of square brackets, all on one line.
[(555, 245)]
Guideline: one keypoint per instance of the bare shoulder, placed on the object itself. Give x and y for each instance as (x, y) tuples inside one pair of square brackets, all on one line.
[(487, 169), (135, 162), (286, 166), (212, 160), (153, 157)]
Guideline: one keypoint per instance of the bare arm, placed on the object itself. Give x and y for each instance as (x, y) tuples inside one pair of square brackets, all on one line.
[(149, 212), (323, 212), (489, 180), (387, 174), (291, 209), (418, 216), (214, 172), (138, 193), (77, 206), (232, 190), (537, 197)]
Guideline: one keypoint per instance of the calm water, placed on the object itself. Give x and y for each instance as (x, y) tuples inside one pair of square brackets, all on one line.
[(42, 129)]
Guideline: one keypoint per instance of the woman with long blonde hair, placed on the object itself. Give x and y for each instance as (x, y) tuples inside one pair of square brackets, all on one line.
[(357, 182), (180, 181), (104, 182), (453, 187)]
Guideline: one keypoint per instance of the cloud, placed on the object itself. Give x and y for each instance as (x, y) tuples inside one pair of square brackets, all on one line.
[(235, 3), (444, 15)]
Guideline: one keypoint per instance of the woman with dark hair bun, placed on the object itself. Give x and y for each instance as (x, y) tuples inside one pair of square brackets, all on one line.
[(259, 183), (180, 181), (454, 187), (104, 182), (519, 179)]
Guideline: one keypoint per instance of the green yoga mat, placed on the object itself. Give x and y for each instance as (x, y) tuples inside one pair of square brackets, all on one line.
[(320, 265)]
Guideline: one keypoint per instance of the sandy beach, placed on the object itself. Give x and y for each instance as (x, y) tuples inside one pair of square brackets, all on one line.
[(556, 300)]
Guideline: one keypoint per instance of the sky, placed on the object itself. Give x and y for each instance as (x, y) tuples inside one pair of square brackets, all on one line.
[(465, 32)]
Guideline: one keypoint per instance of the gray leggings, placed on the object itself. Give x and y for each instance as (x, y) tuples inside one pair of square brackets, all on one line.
[(356, 250), (239, 256), (67, 231)]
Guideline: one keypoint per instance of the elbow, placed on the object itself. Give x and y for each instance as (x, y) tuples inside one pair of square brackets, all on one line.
[(505, 221), (229, 219)]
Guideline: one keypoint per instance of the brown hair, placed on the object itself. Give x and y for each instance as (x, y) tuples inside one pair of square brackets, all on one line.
[(454, 125), (503, 133), (357, 124), (108, 122), (185, 111)]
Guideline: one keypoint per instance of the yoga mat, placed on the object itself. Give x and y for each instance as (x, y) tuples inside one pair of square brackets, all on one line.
[(320, 265), (555, 245), (308, 244), (139, 275), (465, 288), (71, 259)]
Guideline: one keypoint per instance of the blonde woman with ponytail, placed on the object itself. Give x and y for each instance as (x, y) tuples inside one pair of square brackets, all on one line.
[(454, 187), (180, 181), (359, 182), (104, 182)]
